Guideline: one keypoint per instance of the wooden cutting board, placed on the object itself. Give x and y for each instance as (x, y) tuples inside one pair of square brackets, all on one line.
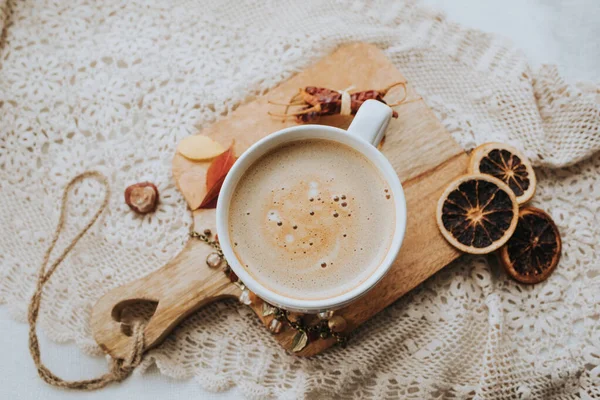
[(422, 152)]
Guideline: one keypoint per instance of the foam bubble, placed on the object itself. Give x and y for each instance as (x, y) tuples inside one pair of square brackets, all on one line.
[(273, 216), (289, 238), (313, 190)]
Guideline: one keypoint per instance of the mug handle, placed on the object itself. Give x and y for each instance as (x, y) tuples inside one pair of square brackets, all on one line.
[(371, 121)]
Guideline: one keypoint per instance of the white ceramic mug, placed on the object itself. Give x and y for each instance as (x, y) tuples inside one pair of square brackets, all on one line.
[(363, 135)]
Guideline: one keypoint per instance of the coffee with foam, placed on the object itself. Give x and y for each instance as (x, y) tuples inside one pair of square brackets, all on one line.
[(312, 219)]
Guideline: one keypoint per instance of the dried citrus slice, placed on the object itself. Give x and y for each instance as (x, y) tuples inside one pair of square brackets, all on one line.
[(477, 213), (507, 164), (533, 251)]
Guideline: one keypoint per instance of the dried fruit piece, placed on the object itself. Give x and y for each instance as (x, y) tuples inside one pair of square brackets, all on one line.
[(319, 101), (507, 164), (477, 213), (220, 167), (189, 176), (142, 197), (533, 251), (199, 147), (216, 175)]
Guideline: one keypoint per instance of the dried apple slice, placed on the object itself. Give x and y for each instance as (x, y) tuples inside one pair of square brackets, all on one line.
[(477, 213), (199, 147), (507, 164), (215, 176), (533, 251)]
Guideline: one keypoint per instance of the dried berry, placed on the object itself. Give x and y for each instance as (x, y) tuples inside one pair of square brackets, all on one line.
[(142, 197), (232, 276)]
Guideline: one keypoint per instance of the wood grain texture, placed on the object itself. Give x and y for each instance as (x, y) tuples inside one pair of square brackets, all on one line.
[(422, 152), (182, 286)]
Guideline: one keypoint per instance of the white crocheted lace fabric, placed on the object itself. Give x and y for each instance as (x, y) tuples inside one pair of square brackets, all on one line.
[(114, 85)]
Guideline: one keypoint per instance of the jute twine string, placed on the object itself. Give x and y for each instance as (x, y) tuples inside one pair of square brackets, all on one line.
[(119, 369)]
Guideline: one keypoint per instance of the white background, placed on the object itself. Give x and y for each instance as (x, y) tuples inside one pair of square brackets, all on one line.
[(561, 32)]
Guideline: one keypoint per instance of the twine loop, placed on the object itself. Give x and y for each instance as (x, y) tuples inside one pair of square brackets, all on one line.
[(119, 369)]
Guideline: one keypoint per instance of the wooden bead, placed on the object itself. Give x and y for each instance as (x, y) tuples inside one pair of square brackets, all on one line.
[(337, 324)]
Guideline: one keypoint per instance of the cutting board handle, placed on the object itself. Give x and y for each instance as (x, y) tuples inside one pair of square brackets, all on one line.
[(181, 287)]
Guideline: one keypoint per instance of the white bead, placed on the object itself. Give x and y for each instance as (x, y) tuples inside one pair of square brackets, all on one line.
[(325, 315), (245, 297), (213, 260), (275, 326)]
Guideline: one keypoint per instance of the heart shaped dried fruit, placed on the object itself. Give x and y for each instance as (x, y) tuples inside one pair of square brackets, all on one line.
[(477, 213), (507, 164), (199, 147), (533, 251), (142, 197)]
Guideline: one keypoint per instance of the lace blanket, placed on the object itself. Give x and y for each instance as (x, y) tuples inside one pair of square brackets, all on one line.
[(114, 85)]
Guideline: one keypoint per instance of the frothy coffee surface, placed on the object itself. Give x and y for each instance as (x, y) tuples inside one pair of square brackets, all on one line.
[(312, 219)]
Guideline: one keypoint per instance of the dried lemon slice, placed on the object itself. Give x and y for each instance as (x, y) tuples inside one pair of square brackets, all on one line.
[(507, 164), (199, 147), (477, 213), (533, 251)]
